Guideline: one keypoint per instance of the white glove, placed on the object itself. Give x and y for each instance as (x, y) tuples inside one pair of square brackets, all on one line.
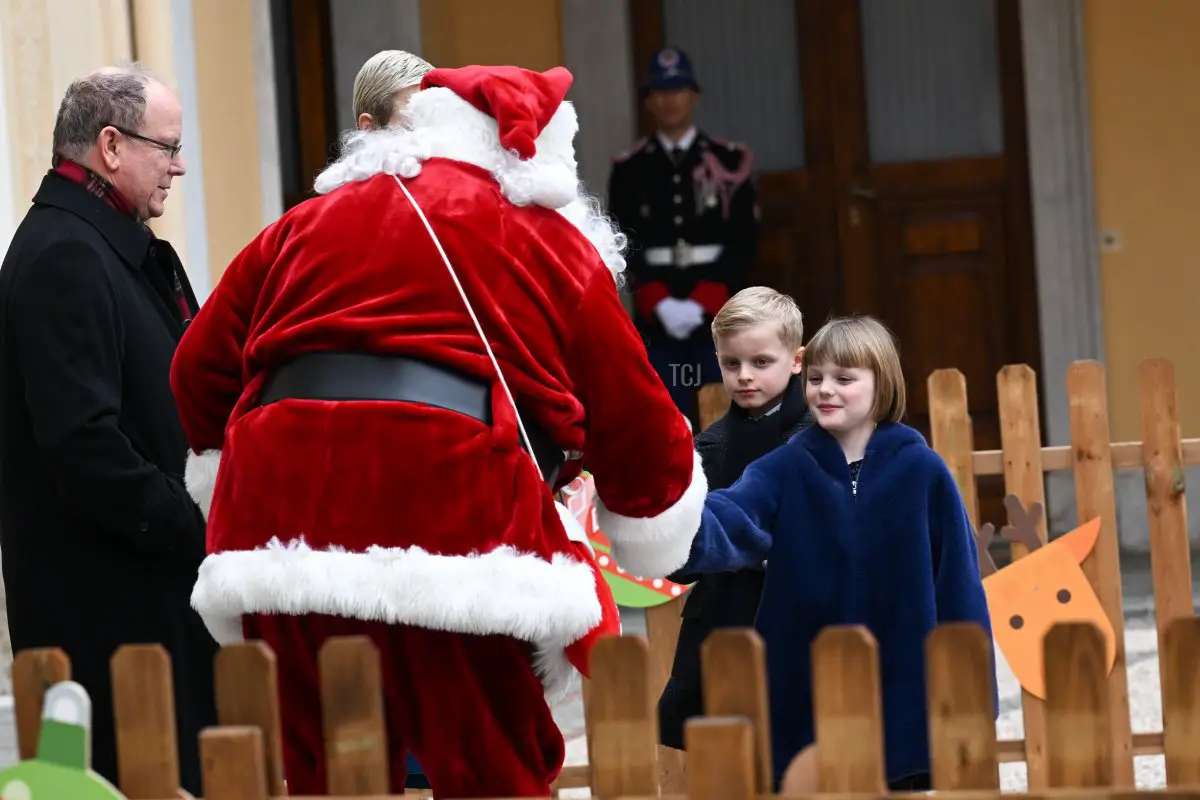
[(679, 317)]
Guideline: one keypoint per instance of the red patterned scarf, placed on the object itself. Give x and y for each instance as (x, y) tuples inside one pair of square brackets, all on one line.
[(88, 179), (78, 173)]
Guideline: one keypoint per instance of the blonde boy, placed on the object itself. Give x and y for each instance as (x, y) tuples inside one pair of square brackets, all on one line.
[(758, 335)]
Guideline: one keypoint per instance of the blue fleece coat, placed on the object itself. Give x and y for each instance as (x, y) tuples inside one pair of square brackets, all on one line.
[(898, 558)]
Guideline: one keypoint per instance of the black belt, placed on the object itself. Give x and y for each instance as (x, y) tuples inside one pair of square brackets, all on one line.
[(367, 376)]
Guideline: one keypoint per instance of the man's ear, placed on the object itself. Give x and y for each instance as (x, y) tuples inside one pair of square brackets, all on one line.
[(798, 361), (106, 146), (365, 122)]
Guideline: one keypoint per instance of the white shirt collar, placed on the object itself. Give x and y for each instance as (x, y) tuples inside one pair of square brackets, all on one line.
[(684, 143)]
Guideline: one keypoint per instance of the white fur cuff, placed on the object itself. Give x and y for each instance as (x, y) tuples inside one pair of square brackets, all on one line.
[(200, 477), (654, 547)]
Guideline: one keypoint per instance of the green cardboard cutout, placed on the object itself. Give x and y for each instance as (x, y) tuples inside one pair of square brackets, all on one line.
[(629, 591), (62, 767)]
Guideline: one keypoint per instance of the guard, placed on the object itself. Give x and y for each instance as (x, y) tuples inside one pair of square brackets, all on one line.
[(687, 202)]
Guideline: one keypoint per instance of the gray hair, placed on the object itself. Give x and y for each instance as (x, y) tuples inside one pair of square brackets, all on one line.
[(110, 96), (384, 74)]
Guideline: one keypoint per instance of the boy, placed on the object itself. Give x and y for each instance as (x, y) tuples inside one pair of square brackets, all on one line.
[(758, 335)]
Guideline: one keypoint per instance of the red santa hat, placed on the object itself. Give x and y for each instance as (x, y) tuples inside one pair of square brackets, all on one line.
[(513, 122), (521, 101)]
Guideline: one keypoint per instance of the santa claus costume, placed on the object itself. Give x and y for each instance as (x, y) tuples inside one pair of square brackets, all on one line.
[(372, 475)]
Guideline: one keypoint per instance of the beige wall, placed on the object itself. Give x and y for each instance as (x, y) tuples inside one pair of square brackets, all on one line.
[(456, 33), (44, 45), (1144, 79), (153, 46), (228, 101)]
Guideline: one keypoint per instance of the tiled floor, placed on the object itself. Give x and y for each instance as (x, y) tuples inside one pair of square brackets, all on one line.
[(8, 732)]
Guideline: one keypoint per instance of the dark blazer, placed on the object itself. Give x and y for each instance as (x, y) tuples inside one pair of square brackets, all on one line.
[(725, 599), (101, 542)]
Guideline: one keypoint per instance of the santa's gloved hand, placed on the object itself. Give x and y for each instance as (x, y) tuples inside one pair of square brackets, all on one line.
[(679, 317)]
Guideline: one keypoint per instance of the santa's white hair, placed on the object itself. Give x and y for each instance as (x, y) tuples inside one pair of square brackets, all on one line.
[(440, 124)]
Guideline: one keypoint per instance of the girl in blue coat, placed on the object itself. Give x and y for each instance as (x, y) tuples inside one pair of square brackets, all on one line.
[(860, 523)]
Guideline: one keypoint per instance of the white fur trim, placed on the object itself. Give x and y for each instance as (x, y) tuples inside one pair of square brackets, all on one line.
[(654, 547), (440, 124), (200, 477), (548, 603)]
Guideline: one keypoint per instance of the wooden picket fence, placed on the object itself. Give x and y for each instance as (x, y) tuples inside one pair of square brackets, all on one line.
[(1024, 462), (1080, 736), (729, 749)]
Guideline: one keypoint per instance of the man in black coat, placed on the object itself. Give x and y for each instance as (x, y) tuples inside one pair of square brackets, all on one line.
[(100, 538)]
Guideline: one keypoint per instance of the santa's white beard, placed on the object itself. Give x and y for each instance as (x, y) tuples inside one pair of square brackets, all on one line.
[(586, 214)]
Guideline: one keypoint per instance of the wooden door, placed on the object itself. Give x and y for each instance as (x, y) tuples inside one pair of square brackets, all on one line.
[(308, 132), (911, 199)]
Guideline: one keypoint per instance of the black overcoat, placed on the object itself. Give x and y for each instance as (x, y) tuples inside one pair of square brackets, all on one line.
[(723, 599), (101, 541)]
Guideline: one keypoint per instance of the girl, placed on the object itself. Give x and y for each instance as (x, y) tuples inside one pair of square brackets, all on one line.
[(861, 523)]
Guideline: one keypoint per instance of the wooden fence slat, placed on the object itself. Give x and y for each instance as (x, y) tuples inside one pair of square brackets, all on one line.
[(247, 692), (713, 402), (951, 434), (962, 721), (33, 672), (1180, 657), (721, 763), (847, 711), (625, 726), (1021, 443), (1095, 496), (1078, 717), (143, 698), (356, 745), (1170, 552), (232, 760), (733, 665)]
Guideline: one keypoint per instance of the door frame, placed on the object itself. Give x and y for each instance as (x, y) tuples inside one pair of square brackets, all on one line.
[(1058, 137)]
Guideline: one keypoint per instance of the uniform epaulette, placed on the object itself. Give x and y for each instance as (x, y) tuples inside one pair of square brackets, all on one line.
[(730, 145), (637, 148)]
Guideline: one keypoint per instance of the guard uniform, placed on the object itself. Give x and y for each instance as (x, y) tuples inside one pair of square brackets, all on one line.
[(689, 211)]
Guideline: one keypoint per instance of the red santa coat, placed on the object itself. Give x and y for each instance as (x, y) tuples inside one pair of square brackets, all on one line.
[(413, 514)]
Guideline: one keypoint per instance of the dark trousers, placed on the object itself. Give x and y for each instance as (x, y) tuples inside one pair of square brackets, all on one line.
[(684, 366)]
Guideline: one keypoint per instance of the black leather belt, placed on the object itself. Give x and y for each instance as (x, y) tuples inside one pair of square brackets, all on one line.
[(367, 376)]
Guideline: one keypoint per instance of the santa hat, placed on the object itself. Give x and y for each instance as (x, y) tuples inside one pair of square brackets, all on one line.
[(513, 122), (530, 124), (520, 100)]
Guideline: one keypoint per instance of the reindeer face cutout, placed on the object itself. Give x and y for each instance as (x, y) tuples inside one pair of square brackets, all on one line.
[(1032, 594)]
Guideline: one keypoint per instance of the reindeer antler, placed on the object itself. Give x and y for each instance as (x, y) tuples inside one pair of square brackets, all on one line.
[(1022, 527), (983, 539)]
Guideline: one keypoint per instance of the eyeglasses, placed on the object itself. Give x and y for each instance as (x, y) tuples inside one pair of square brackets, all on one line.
[(172, 149)]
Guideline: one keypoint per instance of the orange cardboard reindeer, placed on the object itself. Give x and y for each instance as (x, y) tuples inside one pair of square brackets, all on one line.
[(1032, 594)]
